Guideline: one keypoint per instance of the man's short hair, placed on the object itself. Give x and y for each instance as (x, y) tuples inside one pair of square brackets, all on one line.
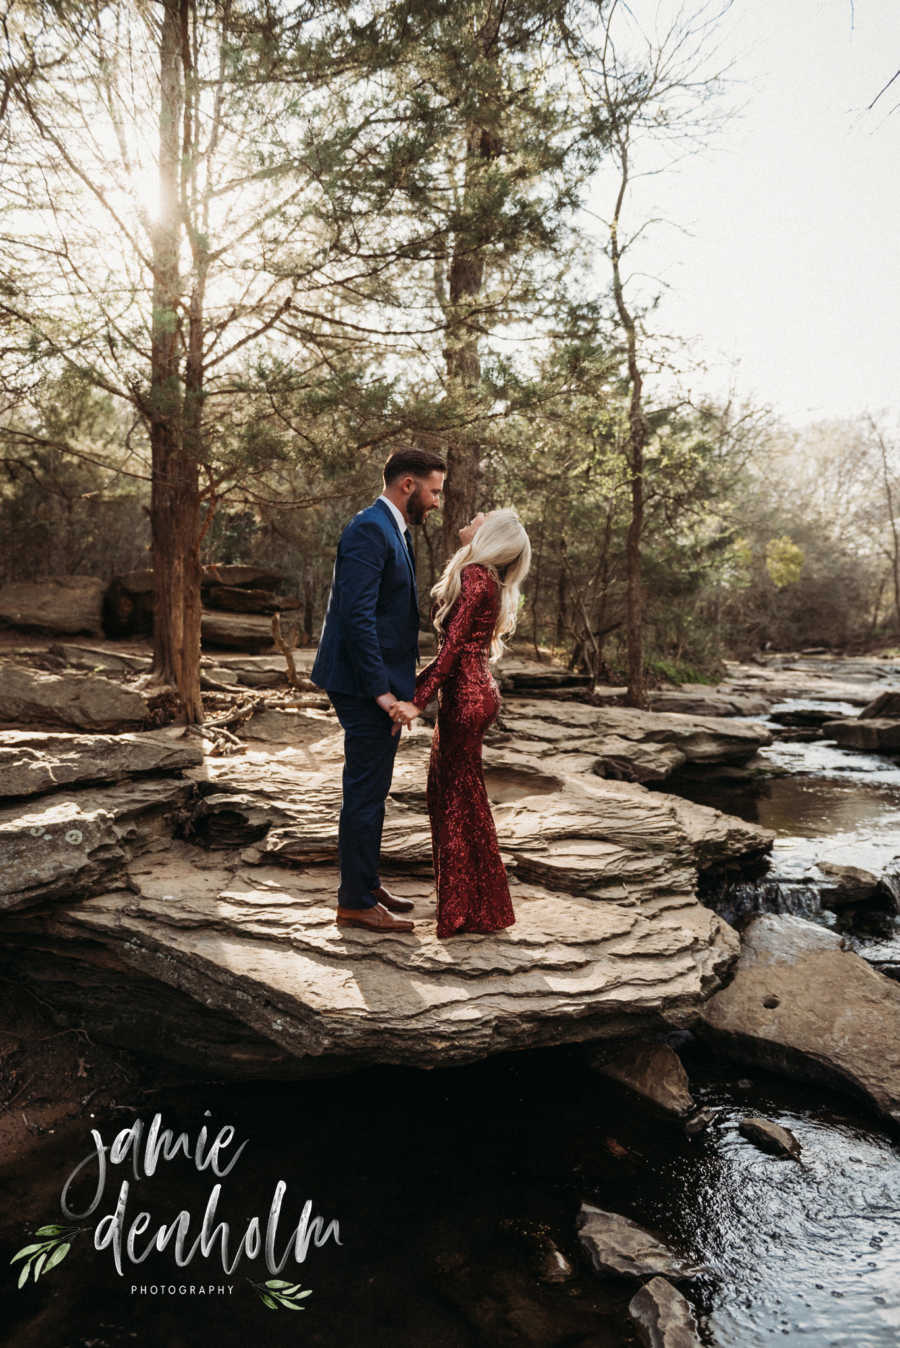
[(421, 462)]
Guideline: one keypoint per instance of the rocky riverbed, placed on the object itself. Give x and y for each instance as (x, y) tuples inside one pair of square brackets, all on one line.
[(169, 916)]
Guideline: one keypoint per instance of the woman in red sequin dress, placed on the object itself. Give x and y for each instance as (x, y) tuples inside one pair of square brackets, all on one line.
[(477, 600)]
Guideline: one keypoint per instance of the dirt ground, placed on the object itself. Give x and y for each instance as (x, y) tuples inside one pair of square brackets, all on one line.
[(50, 1075)]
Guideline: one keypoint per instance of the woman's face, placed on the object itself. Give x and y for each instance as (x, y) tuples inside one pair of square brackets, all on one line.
[(468, 531)]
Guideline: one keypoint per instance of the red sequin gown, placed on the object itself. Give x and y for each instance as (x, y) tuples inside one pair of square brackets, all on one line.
[(472, 889)]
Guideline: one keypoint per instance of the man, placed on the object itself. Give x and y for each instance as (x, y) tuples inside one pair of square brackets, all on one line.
[(366, 662)]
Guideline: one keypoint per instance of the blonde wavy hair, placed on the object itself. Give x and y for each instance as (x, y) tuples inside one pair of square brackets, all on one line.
[(502, 545)]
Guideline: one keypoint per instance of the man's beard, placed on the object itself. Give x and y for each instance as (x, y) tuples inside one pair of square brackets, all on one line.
[(415, 507)]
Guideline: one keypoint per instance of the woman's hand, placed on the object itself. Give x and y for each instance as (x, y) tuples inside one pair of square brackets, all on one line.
[(404, 713)]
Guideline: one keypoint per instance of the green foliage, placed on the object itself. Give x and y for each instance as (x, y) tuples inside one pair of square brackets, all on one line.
[(681, 671), (784, 561)]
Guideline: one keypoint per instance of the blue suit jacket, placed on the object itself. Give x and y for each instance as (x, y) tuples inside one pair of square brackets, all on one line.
[(369, 642)]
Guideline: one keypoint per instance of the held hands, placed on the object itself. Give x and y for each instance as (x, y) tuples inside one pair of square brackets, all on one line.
[(403, 714)]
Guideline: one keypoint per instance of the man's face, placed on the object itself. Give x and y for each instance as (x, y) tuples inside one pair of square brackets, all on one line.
[(425, 496)]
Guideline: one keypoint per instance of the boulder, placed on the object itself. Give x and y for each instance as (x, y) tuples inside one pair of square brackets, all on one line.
[(703, 700), (29, 697), (276, 724), (876, 735), (662, 1317), (654, 1072), (128, 601), (771, 1137), (801, 1004), (141, 582), (261, 671), (32, 762), (240, 631), (516, 673), (78, 842), (829, 680), (552, 1266), (254, 577), (137, 582), (500, 1305), (618, 1247), (719, 840), (235, 599), (806, 718), (854, 884), (885, 705), (64, 604)]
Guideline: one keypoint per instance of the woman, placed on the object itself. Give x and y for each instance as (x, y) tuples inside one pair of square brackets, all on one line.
[(476, 605)]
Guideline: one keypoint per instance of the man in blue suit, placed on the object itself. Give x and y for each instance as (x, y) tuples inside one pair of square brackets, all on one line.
[(366, 662)]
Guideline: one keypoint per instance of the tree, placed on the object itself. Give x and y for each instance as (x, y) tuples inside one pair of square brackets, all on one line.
[(156, 282), (661, 92)]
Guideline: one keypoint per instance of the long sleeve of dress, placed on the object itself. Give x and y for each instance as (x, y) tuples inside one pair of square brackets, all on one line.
[(470, 616)]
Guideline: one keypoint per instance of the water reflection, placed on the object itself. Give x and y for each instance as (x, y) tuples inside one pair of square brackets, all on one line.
[(462, 1172), (812, 1246)]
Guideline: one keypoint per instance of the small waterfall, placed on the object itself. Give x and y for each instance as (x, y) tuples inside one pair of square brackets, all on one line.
[(739, 900)]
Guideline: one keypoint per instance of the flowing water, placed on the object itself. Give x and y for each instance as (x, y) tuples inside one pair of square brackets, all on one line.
[(447, 1184), (826, 805)]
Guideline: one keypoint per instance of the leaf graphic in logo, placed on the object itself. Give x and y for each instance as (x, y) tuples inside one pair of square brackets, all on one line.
[(46, 1254), (58, 1255), (280, 1295)]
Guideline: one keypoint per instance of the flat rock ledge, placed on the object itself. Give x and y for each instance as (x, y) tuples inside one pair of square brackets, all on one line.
[(191, 907), (260, 945)]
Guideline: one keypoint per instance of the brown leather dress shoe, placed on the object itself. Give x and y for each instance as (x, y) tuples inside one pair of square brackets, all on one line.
[(391, 901), (376, 918)]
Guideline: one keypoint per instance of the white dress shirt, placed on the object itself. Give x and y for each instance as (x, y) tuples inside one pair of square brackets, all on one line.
[(397, 514)]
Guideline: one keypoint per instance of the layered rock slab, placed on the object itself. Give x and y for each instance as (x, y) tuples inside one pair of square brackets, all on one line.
[(261, 944), (621, 742), (33, 763), (66, 843), (235, 917)]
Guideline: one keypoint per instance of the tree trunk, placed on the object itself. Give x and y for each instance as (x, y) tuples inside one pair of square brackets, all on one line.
[(892, 520), (636, 440), (175, 505), (562, 594), (464, 476)]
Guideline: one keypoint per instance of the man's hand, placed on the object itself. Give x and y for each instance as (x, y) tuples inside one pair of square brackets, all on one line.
[(387, 702), (404, 713)]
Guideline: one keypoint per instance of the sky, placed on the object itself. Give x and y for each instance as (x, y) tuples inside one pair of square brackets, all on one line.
[(780, 255)]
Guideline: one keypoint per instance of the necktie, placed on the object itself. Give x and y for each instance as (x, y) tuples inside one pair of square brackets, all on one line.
[(408, 537)]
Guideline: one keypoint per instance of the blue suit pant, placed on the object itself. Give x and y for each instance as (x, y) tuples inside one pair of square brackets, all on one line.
[(369, 752)]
